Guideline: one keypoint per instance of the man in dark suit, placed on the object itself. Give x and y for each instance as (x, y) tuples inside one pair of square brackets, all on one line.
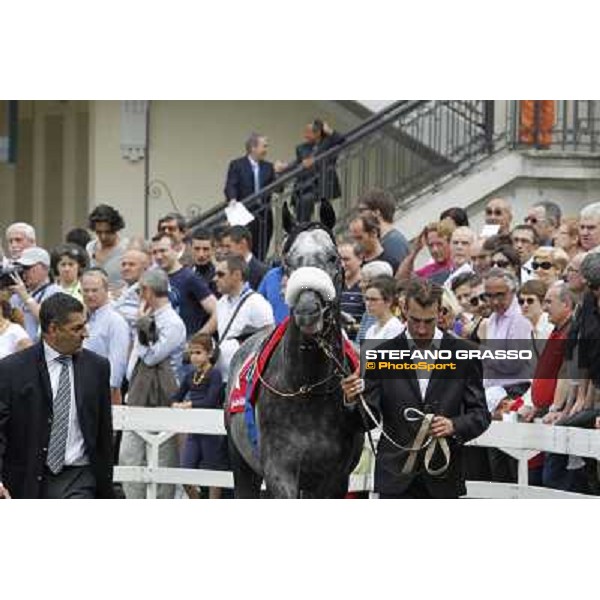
[(237, 240), (55, 412), (319, 181), (457, 404), (246, 176)]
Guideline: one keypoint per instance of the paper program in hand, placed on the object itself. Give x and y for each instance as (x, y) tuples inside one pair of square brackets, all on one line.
[(238, 214)]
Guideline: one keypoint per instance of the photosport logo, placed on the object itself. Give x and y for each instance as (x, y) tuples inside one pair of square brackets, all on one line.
[(453, 359)]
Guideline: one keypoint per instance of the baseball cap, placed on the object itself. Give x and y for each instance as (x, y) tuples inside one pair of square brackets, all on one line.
[(33, 256)]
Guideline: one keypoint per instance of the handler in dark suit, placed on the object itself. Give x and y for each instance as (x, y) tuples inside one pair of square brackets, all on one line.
[(318, 182), (457, 401), (246, 176), (55, 412)]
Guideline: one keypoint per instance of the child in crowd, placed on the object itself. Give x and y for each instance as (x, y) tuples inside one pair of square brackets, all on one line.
[(202, 388)]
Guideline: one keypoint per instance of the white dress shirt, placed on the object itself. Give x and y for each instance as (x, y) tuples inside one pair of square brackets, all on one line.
[(256, 312), (423, 376), (75, 451)]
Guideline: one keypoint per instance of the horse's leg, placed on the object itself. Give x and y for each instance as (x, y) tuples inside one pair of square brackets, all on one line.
[(281, 482), (245, 481)]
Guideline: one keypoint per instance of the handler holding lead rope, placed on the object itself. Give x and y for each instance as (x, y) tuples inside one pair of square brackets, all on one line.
[(425, 419)]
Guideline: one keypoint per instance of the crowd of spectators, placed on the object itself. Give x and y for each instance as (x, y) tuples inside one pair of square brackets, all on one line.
[(150, 303)]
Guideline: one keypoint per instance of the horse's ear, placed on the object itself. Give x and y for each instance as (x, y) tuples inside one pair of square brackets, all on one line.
[(327, 214), (288, 221)]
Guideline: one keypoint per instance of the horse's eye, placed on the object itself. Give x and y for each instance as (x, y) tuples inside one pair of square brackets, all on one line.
[(332, 259)]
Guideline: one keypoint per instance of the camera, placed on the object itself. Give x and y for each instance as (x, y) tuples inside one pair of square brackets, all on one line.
[(6, 273)]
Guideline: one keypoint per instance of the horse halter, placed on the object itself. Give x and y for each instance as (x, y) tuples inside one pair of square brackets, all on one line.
[(319, 340)]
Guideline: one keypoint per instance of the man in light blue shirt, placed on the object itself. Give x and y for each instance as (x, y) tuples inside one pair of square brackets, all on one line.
[(133, 264), (164, 341), (108, 330), (170, 329)]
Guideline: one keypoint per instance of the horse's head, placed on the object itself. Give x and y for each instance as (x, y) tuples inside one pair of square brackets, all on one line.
[(312, 245), (316, 278)]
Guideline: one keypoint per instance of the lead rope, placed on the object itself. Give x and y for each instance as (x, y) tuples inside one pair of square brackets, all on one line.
[(422, 441)]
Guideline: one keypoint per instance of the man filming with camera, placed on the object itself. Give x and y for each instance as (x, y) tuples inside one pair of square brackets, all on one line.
[(31, 286)]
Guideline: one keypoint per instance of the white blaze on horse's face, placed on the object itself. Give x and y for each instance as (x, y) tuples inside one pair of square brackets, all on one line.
[(314, 248)]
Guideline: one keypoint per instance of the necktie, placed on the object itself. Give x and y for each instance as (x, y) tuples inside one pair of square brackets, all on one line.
[(61, 406), (256, 170)]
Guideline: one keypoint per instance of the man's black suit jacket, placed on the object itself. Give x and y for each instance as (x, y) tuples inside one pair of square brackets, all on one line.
[(256, 272), (240, 178), (240, 185), (26, 419), (461, 400), (320, 181)]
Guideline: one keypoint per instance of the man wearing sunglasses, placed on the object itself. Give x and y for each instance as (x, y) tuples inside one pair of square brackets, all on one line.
[(499, 212), (458, 405), (525, 241), (545, 219), (173, 224), (506, 323)]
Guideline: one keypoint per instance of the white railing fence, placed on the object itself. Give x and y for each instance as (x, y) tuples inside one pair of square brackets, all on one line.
[(520, 440)]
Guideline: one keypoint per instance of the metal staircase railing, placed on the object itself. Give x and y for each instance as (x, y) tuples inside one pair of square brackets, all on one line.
[(411, 146)]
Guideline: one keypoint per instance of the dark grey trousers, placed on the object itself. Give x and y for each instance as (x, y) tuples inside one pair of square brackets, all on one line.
[(71, 483)]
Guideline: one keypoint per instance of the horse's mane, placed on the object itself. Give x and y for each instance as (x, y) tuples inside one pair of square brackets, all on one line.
[(300, 228)]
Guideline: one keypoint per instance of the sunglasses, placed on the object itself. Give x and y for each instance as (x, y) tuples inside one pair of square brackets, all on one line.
[(502, 264), (220, 273), (541, 265), (493, 211), (475, 300), (528, 301)]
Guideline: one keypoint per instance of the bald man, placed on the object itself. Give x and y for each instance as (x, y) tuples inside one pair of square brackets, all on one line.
[(133, 265), (498, 211)]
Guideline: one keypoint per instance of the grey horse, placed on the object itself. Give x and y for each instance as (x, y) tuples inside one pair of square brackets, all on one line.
[(308, 440)]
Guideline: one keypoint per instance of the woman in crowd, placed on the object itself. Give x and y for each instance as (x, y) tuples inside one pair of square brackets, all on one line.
[(567, 236), (449, 313), (67, 263), (548, 264), (506, 257), (108, 248), (12, 335), (380, 299)]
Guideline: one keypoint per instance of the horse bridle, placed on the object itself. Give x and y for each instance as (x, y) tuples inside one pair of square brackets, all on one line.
[(320, 341)]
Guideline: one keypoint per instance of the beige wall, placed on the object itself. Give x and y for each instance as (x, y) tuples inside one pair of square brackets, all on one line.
[(112, 179), (191, 144), (69, 157), (47, 187)]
